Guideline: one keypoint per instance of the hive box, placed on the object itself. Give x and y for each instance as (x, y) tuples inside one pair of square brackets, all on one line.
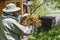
[(47, 21)]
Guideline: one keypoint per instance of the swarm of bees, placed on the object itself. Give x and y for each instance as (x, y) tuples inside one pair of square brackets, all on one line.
[(30, 20)]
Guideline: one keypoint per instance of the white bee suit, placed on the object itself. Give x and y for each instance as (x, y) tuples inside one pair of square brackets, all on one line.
[(11, 29)]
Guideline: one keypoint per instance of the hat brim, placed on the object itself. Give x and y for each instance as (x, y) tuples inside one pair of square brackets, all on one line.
[(13, 10)]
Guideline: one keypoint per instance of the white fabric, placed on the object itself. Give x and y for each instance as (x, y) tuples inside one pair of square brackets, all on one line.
[(26, 30), (25, 15), (29, 3), (12, 28)]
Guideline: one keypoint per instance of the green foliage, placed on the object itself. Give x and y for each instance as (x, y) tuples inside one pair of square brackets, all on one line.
[(35, 5), (51, 34), (41, 34), (58, 4)]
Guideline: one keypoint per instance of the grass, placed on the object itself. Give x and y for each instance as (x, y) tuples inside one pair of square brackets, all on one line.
[(51, 34)]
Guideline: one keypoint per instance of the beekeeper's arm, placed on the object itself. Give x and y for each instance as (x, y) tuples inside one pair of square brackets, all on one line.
[(15, 26), (21, 16)]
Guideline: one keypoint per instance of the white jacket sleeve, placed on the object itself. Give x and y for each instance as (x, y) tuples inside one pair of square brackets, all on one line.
[(25, 30), (19, 18)]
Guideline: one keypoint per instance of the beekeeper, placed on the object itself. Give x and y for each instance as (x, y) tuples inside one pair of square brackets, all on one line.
[(10, 29)]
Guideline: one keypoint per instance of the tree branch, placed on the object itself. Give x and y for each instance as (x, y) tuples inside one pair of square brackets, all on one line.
[(38, 7)]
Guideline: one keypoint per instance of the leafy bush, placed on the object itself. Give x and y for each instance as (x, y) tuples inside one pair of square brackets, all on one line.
[(51, 34)]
